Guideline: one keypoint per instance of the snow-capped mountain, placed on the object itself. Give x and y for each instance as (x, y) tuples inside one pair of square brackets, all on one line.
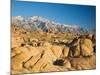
[(40, 23)]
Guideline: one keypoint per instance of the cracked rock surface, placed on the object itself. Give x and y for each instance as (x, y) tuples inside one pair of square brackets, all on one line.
[(33, 52)]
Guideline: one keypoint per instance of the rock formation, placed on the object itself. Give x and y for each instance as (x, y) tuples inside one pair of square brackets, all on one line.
[(32, 53)]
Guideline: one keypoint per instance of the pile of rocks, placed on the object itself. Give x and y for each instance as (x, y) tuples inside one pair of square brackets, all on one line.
[(82, 46), (28, 58)]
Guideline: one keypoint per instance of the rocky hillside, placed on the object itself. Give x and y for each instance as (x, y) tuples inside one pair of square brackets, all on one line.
[(40, 23), (38, 51)]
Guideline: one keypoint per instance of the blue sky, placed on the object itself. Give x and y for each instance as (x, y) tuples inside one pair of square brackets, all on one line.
[(82, 15)]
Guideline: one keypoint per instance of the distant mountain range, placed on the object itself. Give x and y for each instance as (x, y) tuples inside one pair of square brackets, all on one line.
[(40, 23)]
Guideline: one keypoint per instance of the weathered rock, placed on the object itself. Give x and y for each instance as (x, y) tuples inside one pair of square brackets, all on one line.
[(34, 40), (86, 47), (15, 51), (16, 41), (17, 62), (65, 52), (29, 55), (30, 63), (47, 57), (25, 54), (57, 50), (67, 64), (89, 36), (94, 42), (47, 44), (51, 68), (84, 63), (64, 41), (75, 48)]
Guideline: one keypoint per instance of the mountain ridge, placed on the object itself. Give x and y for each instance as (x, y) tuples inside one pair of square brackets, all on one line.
[(41, 23)]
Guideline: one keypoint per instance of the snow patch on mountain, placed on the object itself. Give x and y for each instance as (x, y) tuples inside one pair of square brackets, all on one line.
[(41, 23)]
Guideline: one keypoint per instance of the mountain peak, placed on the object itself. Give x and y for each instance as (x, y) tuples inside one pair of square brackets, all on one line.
[(41, 23)]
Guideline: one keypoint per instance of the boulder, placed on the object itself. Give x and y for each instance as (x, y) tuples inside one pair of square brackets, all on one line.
[(30, 63), (67, 64), (46, 57), (89, 36), (74, 50), (86, 47), (57, 50), (84, 63), (23, 56), (65, 52)]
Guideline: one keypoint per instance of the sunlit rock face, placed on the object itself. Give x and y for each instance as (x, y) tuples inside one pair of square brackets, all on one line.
[(39, 50)]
